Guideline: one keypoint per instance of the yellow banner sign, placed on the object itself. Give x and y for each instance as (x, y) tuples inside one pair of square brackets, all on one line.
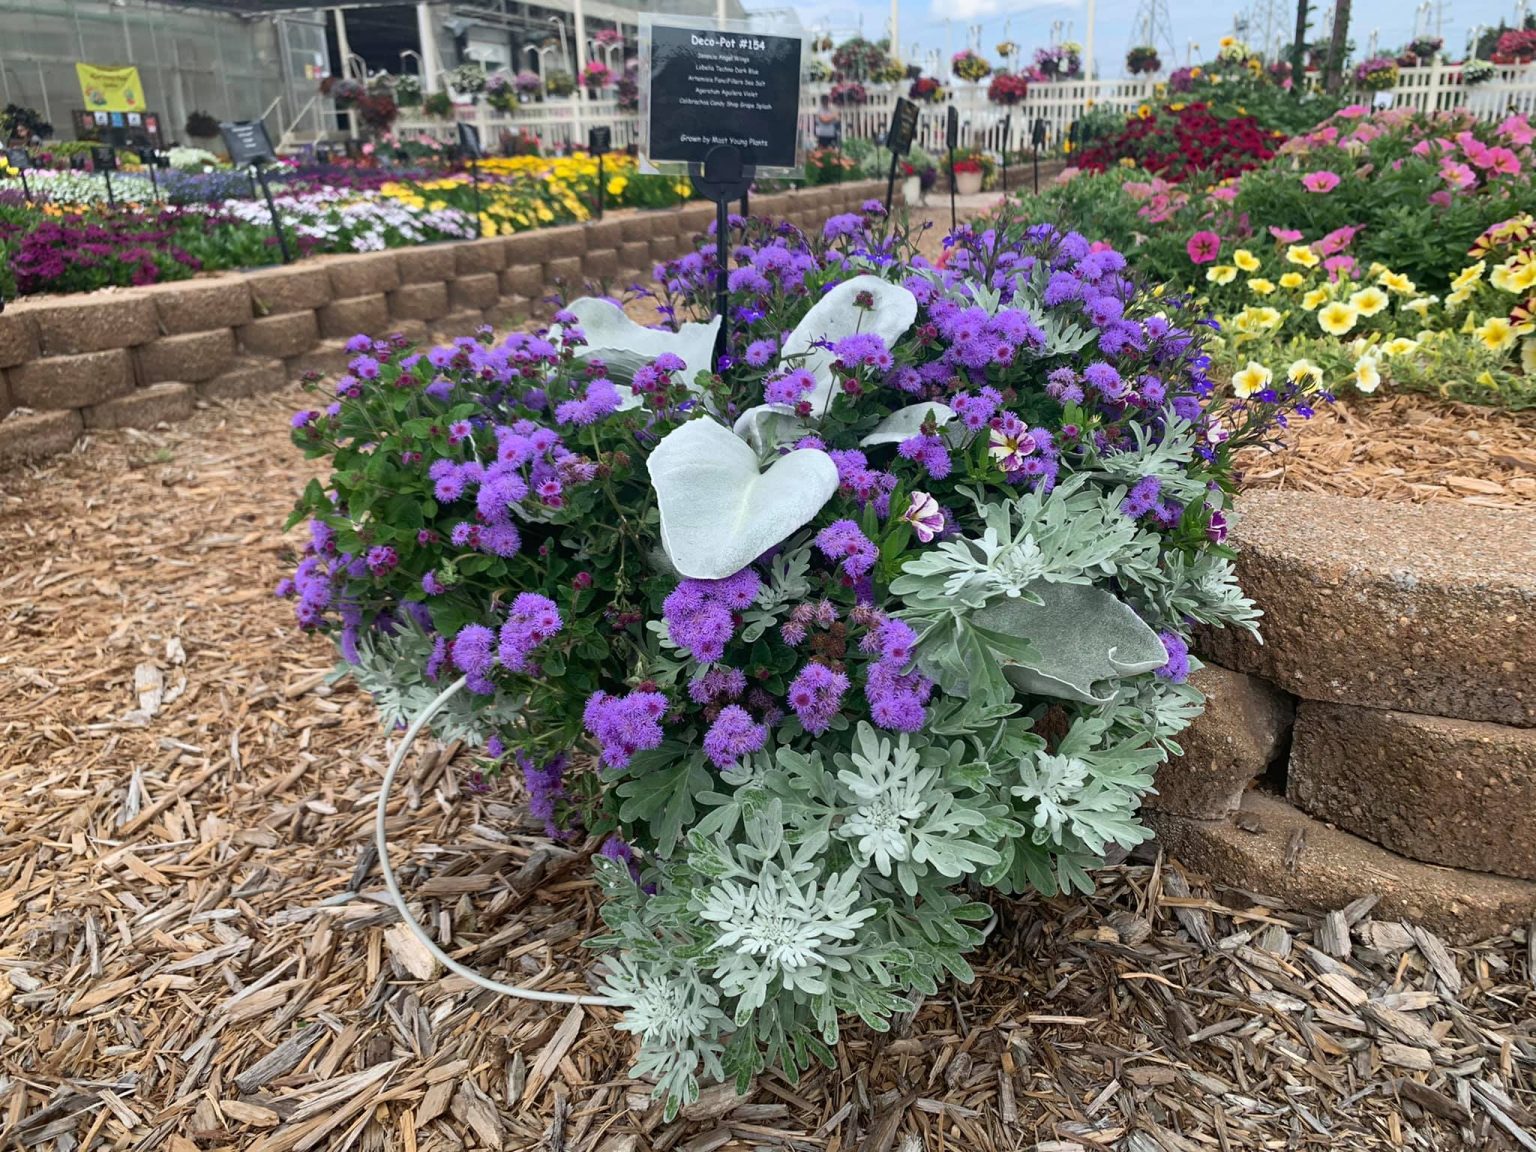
[(110, 89)]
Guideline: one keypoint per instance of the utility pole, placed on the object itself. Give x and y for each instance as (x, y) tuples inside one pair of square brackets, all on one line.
[(1333, 71), (1299, 48)]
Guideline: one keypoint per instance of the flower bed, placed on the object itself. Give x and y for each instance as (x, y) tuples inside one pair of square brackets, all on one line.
[(1394, 205), (892, 610), (220, 222), (1179, 141)]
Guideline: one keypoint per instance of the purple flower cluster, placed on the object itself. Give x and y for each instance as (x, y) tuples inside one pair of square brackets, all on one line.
[(897, 699), (700, 614), (532, 621), (816, 695), (1177, 668), (624, 725), (601, 399), (843, 543), (546, 788), (734, 734)]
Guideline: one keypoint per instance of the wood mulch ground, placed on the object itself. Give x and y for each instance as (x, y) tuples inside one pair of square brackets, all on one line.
[(195, 952)]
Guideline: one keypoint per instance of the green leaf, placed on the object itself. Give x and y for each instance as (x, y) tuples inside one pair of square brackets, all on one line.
[(661, 797)]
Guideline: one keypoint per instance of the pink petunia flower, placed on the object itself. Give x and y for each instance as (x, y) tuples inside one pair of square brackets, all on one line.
[(1285, 235), (1321, 181), (1203, 247), (1226, 194), (1337, 240), (1354, 111), (1503, 161), (1441, 198), (1458, 176), (1340, 266)]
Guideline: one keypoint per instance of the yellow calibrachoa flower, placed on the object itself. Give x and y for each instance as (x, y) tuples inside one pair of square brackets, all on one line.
[(1260, 286), (1221, 273), (1469, 275), (1396, 282), (1420, 305), (1369, 301), (1485, 378), (1400, 346), (1245, 260), (1178, 107), (1316, 298), (1292, 280), (1337, 318), (617, 185), (1496, 333), (1305, 373), (1367, 375), (1301, 254), (1144, 112), (1253, 378), (1513, 278)]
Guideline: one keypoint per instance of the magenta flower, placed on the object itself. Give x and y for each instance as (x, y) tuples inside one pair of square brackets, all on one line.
[(1321, 181), (1337, 240), (1203, 247), (1285, 235), (1458, 176)]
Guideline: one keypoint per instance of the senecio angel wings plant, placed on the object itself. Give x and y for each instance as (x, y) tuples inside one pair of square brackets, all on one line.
[(889, 612)]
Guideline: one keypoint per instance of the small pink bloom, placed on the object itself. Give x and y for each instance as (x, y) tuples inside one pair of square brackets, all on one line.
[(1440, 199), (1503, 161), (1517, 130), (1354, 111), (1458, 176), (1203, 247), (1285, 235), (1337, 240), (1340, 266), (1225, 194), (1321, 181)]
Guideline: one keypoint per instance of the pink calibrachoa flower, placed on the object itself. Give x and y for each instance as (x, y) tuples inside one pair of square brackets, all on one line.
[(1503, 161), (1337, 240), (1321, 181), (1354, 111), (1285, 235), (1340, 266), (1458, 176), (1203, 247), (1226, 193), (1440, 199), (1517, 130), (925, 516)]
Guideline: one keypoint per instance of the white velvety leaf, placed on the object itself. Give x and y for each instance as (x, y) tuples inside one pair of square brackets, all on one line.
[(907, 422), (625, 346), (718, 511), (1079, 635), (769, 425), (836, 315)]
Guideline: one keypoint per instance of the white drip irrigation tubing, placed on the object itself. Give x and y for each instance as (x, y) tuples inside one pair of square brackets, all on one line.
[(390, 883)]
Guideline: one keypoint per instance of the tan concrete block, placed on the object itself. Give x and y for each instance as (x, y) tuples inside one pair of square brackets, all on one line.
[(1241, 733), (18, 341), (476, 291), (343, 319), (329, 358), (71, 381), (1453, 792), (202, 305), (366, 274), (97, 324), (600, 264), (635, 256), (566, 269), (430, 263), (286, 334), (418, 302), (24, 438), (143, 407), (524, 280), (290, 289), (476, 257), (247, 378), (1421, 608), (189, 358), (608, 233), (1279, 851)]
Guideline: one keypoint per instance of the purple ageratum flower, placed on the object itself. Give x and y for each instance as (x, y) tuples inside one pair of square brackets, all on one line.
[(601, 399), (734, 734), (533, 620), (546, 788), (789, 388), (1142, 497), (925, 516), (759, 352), (432, 585), (382, 559), (1104, 378), (927, 451), (846, 546), (473, 654), (897, 701), (717, 684), (699, 613), (846, 224), (360, 343), (624, 725), (459, 431), (616, 848), (815, 696), (440, 389), (975, 410), (1177, 668)]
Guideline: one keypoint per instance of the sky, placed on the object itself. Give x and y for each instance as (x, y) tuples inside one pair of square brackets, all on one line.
[(1117, 23)]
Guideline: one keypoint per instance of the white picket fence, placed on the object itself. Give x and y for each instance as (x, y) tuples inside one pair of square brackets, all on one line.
[(562, 123)]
